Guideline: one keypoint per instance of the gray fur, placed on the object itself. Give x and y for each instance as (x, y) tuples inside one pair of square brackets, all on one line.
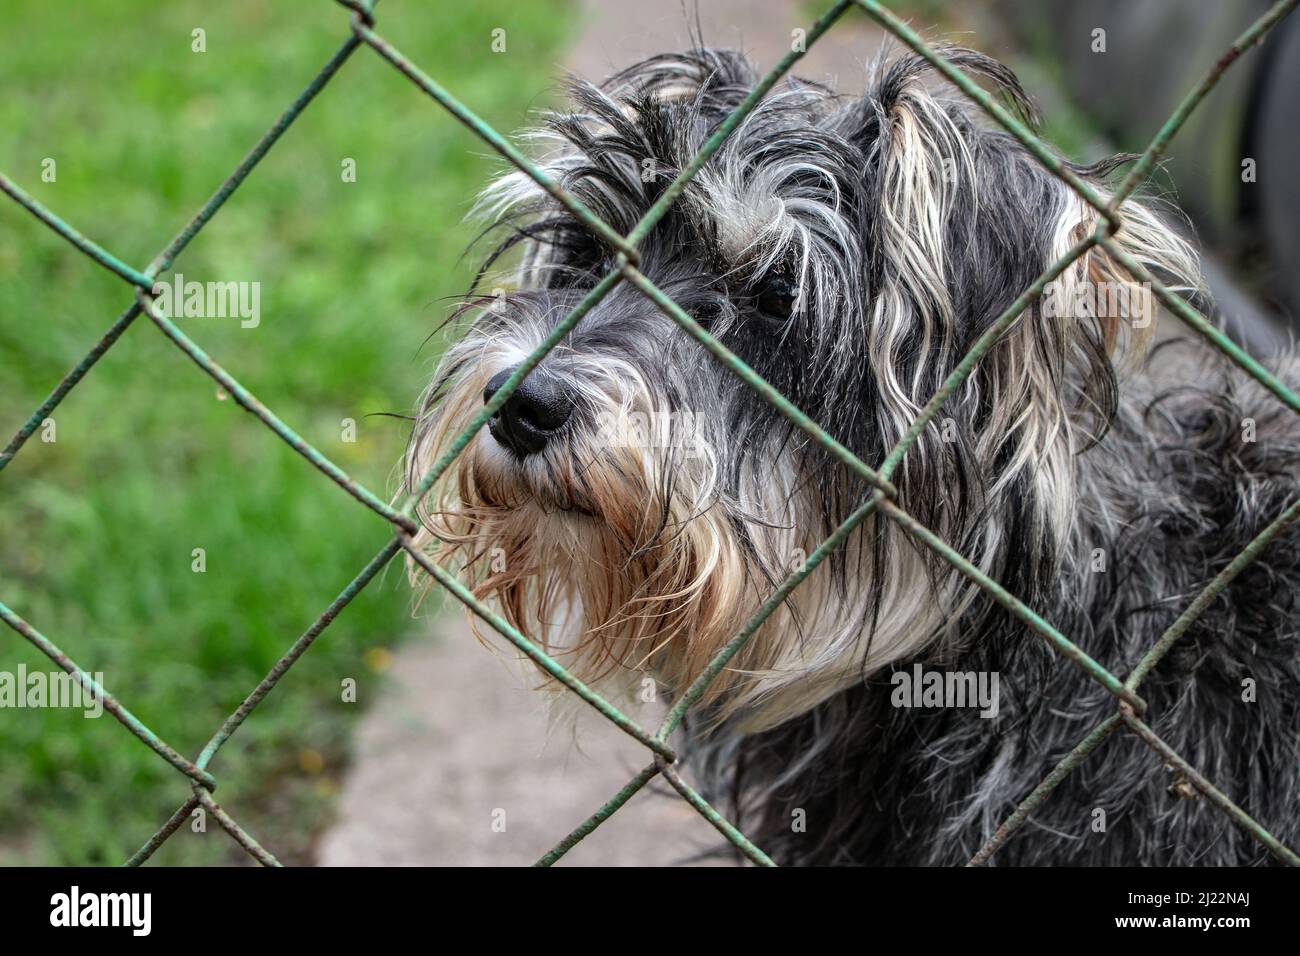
[(903, 227)]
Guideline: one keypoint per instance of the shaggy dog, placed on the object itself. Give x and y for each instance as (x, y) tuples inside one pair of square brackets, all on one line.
[(634, 502)]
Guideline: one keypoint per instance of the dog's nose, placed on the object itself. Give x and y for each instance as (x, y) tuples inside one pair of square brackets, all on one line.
[(531, 415)]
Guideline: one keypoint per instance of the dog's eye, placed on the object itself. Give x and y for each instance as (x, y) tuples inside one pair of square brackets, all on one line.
[(775, 297), (707, 313), (576, 255)]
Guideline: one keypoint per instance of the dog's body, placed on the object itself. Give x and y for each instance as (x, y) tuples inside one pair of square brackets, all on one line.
[(851, 251), (1170, 497)]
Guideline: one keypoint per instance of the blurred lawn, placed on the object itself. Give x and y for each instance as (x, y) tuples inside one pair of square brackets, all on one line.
[(97, 528)]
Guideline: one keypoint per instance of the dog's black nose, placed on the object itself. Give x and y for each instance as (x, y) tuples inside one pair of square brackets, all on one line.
[(530, 416)]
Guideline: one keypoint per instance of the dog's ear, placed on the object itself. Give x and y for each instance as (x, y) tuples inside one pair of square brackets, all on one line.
[(921, 152), (959, 220), (939, 261)]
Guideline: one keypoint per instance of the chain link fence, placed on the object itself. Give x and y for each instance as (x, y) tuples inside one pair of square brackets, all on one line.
[(1130, 705)]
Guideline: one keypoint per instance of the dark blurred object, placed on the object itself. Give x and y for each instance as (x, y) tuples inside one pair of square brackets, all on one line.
[(1155, 53)]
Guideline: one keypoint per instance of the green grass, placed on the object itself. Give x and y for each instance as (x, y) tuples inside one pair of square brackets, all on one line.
[(97, 529)]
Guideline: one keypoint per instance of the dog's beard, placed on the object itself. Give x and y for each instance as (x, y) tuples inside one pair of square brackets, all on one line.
[(626, 551)]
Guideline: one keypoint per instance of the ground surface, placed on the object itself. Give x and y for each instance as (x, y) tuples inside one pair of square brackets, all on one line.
[(457, 743)]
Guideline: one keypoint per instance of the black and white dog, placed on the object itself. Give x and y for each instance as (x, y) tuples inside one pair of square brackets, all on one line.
[(634, 502)]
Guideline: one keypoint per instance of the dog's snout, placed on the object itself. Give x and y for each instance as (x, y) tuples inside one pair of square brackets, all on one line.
[(532, 415)]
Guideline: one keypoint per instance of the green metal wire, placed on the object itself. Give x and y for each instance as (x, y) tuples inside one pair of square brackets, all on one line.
[(281, 667), (278, 670), (96, 252), (1252, 35), (167, 256), (1238, 815), (881, 501), (1044, 789), (755, 381), (238, 833), (65, 386), (1209, 594), (540, 657), (495, 139), (1201, 324), (977, 351), (746, 106), (701, 683), (600, 816), (164, 832), (500, 396), (1042, 152), (1144, 666), (1015, 606), (93, 687), (720, 823), (251, 403)]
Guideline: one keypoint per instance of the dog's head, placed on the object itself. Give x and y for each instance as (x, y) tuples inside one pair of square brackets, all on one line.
[(634, 502)]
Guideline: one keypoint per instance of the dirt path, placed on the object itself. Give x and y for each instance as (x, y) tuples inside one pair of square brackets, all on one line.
[(457, 738), (458, 745)]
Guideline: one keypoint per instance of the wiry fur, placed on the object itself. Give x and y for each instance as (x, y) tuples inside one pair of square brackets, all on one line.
[(905, 228)]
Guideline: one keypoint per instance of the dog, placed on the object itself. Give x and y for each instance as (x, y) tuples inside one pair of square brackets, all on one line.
[(634, 502)]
